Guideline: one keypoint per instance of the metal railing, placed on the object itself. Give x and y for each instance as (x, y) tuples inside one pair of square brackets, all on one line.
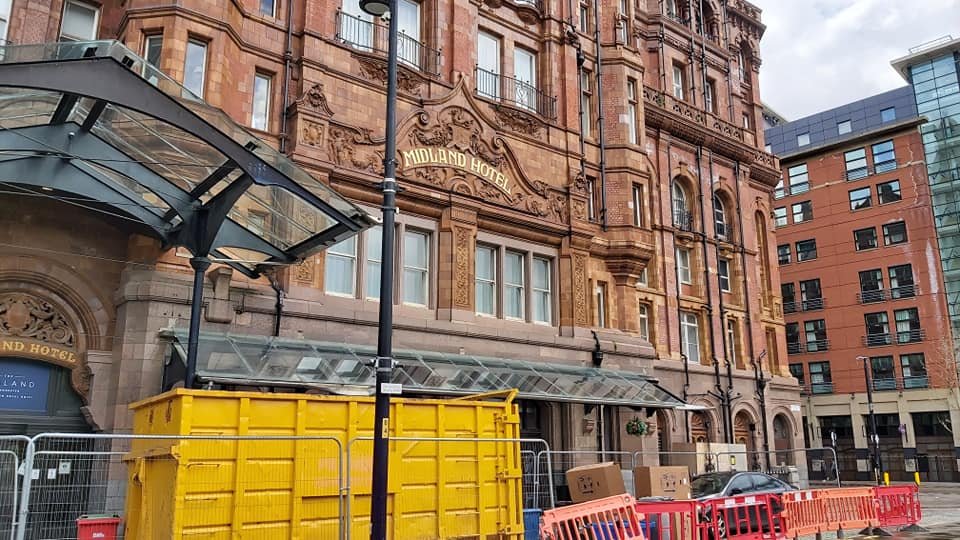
[(877, 340), (919, 381), (791, 307), (903, 291), (812, 304), (871, 297), (794, 347), (860, 173), (885, 383), (821, 388), (520, 94), (818, 345), (535, 4), (372, 37), (683, 220), (901, 383), (911, 336)]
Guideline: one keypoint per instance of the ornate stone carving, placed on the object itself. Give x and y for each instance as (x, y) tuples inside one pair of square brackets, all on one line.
[(352, 148), (375, 68), (580, 210), (315, 98), (27, 316), (312, 134), (580, 290), (461, 278), (519, 121), (305, 271)]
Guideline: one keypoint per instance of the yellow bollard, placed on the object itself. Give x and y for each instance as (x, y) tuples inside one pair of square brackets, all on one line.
[(916, 478), (886, 479)]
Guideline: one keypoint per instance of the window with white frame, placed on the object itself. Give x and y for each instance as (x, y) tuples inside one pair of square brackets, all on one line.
[(632, 111), (732, 340), (80, 21), (514, 284), (416, 268), (409, 48), (623, 22), (690, 336), (488, 65), (542, 291), (638, 205), (643, 322), (584, 17), (799, 179), (719, 218), (643, 280), (586, 98), (486, 280), (374, 241), (195, 68), (340, 268), (356, 26), (683, 265), (525, 72), (708, 93), (260, 114), (601, 303), (268, 8), (152, 49), (4, 19), (678, 81), (723, 270)]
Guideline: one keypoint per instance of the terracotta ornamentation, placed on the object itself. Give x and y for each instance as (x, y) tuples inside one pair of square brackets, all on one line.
[(27, 316), (461, 276)]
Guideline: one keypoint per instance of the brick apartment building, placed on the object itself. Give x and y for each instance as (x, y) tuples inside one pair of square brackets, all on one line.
[(861, 281), (565, 203)]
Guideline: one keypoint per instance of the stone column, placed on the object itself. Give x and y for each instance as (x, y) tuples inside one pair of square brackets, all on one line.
[(455, 268)]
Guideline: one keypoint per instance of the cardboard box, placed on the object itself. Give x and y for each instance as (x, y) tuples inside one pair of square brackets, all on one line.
[(673, 482), (591, 482)]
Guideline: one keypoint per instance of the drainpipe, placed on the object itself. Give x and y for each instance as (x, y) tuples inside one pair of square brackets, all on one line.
[(603, 144), (676, 273), (723, 326), (278, 306), (287, 60), (723, 12)]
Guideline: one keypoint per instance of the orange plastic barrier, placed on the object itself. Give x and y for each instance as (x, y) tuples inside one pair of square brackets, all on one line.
[(612, 518), (828, 510), (744, 517), (670, 520), (898, 505)]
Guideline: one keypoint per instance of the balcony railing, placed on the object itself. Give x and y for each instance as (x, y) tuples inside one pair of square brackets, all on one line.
[(515, 92), (683, 220), (821, 388), (920, 381), (791, 307), (372, 37), (884, 383), (877, 340), (812, 304), (900, 383), (903, 291), (869, 170), (871, 297), (793, 347), (910, 336), (818, 345)]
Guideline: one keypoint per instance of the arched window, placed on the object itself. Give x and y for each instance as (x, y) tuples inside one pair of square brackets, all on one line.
[(720, 218), (743, 59), (682, 217)]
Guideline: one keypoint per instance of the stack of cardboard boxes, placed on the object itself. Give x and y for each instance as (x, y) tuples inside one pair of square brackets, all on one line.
[(591, 482)]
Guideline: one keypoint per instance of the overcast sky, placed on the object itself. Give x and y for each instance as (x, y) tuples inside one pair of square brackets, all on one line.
[(820, 54)]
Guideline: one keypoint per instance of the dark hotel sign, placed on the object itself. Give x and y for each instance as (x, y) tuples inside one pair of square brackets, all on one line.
[(23, 385)]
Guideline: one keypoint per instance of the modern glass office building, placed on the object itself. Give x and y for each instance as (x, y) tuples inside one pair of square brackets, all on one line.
[(932, 70)]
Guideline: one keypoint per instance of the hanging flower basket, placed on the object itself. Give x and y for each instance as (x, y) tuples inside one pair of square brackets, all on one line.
[(638, 427)]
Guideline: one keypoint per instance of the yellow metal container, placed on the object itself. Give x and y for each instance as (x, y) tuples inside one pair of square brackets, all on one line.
[(278, 487)]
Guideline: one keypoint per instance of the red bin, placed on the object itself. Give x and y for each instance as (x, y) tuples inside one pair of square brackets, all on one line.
[(97, 528)]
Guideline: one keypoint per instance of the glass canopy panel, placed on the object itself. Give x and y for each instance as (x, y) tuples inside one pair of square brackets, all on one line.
[(289, 362), (280, 217), (21, 107)]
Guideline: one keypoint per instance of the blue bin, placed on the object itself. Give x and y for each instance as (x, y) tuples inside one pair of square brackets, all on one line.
[(531, 523), (651, 533), (608, 531)]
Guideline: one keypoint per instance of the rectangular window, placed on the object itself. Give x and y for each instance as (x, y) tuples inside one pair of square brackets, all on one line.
[(586, 98), (80, 21), (268, 7), (780, 216), (513, 285), (195, 68), (678, 81), (797, 371), (542, 291), (416, 268), (884, 158), (779, 192), (409, 49), (865, 238), (623, 28), (914, 370), (601, 303), (4, 18), (642, 280), (584, 17), (793, 337), (894, 233), (783, 254), (708, 96), (860, 198), (888, 192), (261, 102), (884, 377), (811, 295), (340, 268), (591, 198), (683, 265), (843, 127), (803, 139), (878, 328), (631, 111), (485, 280), (638, 205), (871, 286), (788, 293), (732, 341), (374, 259), (799, 180), (723, 270), (888, 115), (152, 48), (806, 250), (644, 322), (856, 163), (690, 344), (488, 65), (802, 211), (525, 72), (816, 334), (356, 26), (820, 380), (901, 281), (908, 325), (746, 121)]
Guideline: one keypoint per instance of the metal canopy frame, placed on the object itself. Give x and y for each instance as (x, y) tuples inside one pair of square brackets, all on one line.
[(94, 124), (337, 368)]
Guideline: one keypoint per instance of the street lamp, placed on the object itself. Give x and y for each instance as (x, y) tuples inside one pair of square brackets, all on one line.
[(877, 464), (384, 363)]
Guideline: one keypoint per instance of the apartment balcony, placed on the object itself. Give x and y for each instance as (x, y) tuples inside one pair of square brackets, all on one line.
[(820, 388), (794, 347), (872, 297), (372, 37), (884, 383), (515, 93), (911, 336), (915, 382), (818, 345), (813, 304), (900, 383), (905, 291), (877, 340), (791, 307)]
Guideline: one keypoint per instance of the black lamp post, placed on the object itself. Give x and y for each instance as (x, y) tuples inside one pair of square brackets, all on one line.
[(384, 362), (877, 464)]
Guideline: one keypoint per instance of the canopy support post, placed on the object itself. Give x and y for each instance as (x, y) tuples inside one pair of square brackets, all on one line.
[(200, 265)]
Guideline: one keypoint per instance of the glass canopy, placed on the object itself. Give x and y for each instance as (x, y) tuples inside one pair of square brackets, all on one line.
[(95, 124), (347, 369)]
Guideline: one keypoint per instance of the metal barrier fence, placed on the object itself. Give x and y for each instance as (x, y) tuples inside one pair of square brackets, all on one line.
[(798, 466)]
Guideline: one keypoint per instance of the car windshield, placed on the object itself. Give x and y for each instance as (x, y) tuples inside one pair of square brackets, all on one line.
[(708, 484)]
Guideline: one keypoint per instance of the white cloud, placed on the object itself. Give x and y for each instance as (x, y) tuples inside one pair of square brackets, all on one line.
[(820, 54)]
